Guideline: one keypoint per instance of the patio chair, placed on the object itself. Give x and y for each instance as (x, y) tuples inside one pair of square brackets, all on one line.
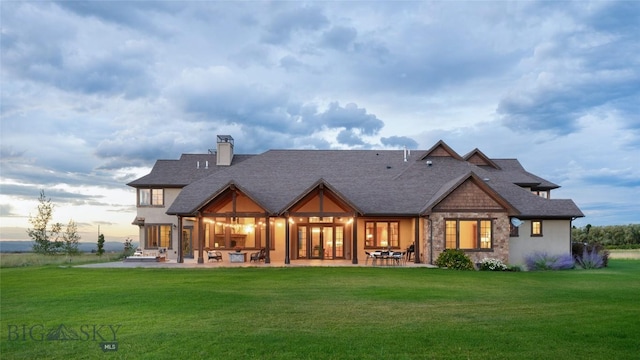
[(371, 256), (398, 257), (258, 256), (410, 251), (217, 255)]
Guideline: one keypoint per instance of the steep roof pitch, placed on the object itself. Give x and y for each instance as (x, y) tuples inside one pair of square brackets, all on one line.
[(477, 157), (373, 182), (450, 187), (441, 149)]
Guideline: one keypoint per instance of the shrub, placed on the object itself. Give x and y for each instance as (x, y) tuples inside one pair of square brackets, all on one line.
[(544, 261), (489, 264), (514, 268), (590, 259), (595, 251), (454, 259)]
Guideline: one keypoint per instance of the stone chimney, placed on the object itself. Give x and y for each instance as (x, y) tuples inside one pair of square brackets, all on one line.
[(224, 150)]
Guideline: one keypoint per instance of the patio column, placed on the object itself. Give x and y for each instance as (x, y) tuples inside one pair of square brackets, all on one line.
[(267, 257), (416, 236), (354, 240), (287, 245), (200, 239), (180, 240)]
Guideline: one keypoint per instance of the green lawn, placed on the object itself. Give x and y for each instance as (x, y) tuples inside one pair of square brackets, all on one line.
[(322, 313)]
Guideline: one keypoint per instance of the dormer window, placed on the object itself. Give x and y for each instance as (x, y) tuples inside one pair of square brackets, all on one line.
[(150, 197), (542, 193)]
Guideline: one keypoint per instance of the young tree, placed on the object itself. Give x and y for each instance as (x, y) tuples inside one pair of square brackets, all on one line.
[(45, 236), (128, 247), (71, 239), (100, 245)]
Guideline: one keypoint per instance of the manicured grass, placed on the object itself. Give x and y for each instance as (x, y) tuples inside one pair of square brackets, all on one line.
[(324, 313)]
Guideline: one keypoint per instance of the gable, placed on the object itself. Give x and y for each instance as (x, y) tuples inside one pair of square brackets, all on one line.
[(320, 201), (476, 157), (469, 197), (224, 204), (440, 149)]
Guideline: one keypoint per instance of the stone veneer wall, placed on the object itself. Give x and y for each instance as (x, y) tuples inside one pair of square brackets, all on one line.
[(500, 230)]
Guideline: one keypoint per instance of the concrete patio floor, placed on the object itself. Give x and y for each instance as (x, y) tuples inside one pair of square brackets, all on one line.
[(193, 263)]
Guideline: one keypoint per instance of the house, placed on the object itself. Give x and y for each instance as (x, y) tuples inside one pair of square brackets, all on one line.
[(340, 204)]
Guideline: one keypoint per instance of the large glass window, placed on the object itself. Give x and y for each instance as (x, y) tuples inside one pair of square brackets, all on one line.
[(157, 236), (241, 232), (150, 197), (382, 234), (468, 234), (451, 234)]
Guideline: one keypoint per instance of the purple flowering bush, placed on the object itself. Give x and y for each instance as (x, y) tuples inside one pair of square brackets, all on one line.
[(544, 261), (590, 259), (590, 255)]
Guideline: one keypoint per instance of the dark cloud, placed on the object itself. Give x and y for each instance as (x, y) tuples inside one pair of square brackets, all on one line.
[(580, 72), (399, 141), (340, 37), (615, 180), (350, 138), (351, 117), (134, 14), (6, 210), (45, 51), (289, 21), (32, 192), (619, 17)]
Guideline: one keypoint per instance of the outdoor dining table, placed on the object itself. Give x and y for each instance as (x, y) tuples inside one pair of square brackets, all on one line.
[(387, 257)]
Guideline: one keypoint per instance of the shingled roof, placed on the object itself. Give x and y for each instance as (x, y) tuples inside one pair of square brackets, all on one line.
[(373, 182)]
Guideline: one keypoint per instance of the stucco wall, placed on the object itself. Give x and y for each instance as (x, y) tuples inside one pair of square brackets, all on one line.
[(556, 240), (157, 215)]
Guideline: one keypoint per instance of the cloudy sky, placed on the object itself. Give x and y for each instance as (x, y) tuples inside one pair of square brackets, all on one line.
[(92, 93)]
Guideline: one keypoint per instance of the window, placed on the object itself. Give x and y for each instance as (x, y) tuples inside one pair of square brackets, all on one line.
[(382, 234), (513, 230), (536, 228), (150, 197), (541, 193), (468, 234), (157, 236)]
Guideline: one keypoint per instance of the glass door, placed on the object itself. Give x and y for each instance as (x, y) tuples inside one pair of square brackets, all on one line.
[(187, 242), (302, 242), (316, 243), (327, 237)]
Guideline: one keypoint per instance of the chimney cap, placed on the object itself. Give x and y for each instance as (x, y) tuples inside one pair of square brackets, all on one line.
[(225, 138)]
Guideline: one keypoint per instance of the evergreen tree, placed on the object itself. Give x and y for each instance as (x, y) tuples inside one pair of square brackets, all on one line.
[(100, 245)]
